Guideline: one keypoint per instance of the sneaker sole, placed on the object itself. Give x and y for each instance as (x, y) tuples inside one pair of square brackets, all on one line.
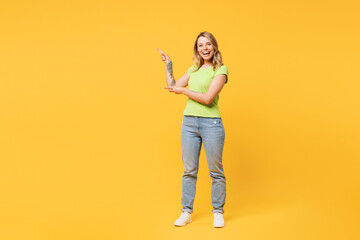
[(220, 226), (178, 225)]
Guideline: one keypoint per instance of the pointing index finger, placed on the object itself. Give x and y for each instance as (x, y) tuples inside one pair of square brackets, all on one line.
[(161, 51)]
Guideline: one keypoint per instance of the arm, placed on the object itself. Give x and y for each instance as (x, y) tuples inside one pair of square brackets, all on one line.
[(205, 98), (170, 80)]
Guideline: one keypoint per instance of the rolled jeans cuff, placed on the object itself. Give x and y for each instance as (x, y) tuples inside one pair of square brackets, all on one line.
[(187, 210), (218, 211)]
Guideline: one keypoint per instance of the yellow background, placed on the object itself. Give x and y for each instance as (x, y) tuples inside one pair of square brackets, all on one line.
[(90, 140)]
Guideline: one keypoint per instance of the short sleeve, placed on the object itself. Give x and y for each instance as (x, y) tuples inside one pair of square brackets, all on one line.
[(222, 70)]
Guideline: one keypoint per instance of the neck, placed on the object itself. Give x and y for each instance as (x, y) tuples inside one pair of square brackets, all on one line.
[(207, 63)]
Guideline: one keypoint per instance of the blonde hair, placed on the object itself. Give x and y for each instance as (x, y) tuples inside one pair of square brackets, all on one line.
[(216, 59)]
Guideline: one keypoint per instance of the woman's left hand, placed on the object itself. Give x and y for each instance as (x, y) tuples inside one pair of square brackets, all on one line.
[(175, 89)]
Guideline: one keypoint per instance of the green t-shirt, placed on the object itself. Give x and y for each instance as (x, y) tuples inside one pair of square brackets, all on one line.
[(199, 82)]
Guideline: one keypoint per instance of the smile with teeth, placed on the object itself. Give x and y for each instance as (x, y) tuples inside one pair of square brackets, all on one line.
[(206, 53)]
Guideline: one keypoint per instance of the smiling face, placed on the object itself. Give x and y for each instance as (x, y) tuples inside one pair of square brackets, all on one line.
[(205, 48)]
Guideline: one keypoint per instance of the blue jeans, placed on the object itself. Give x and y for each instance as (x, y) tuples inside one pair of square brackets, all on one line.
[(210, 132)]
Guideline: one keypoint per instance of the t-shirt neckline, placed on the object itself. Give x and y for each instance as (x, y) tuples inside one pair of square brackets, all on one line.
[(207, 67)]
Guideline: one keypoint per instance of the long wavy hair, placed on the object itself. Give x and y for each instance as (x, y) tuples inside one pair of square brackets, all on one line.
[(216, 59)]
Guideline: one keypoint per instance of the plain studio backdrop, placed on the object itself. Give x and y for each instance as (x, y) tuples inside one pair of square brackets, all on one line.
[(90, 141)]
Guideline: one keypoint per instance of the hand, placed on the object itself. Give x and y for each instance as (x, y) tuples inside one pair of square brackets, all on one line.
[(164, 57), (175, 89)]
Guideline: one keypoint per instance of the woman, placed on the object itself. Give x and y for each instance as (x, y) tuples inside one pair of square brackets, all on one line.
[(202, 123)]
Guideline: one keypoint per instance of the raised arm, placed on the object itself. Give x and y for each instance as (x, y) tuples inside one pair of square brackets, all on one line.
[(170, 79)]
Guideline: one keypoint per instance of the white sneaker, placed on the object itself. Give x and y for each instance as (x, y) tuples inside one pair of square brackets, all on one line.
[(218, 220), (183, 219)]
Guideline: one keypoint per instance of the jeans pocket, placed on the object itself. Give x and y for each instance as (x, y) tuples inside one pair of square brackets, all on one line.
[(217, 121), (213, 123)]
